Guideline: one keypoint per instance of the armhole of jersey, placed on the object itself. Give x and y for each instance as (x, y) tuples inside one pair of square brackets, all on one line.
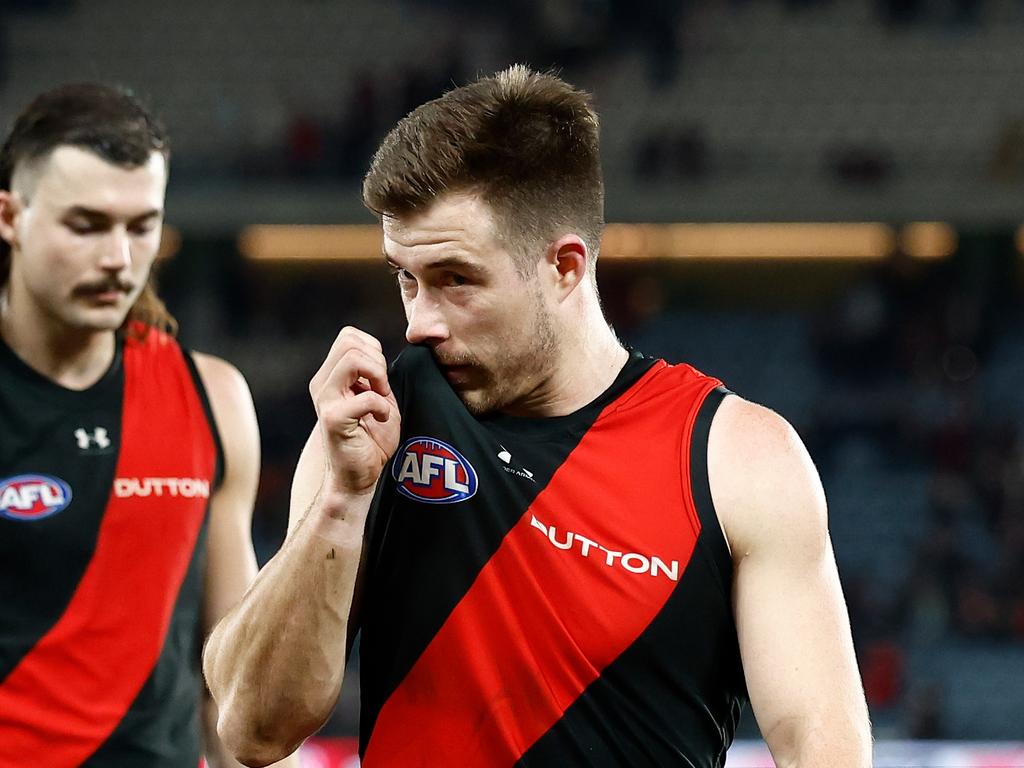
[(711, 538), (218, 473)]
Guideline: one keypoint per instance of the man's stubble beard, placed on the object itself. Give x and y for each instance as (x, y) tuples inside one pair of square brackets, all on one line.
[(523, 373)]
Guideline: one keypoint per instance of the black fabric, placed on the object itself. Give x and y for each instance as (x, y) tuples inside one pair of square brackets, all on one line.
[(162, 728), (197, 380), (679, 688), (43, 560), (712, 540), (399, 618), (672, 698)]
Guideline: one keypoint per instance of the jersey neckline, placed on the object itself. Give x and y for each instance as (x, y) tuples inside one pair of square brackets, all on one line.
[(107, 383), (636, 365)]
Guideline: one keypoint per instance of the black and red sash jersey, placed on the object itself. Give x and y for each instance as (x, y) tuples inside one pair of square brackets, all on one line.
[(550, 592), (103, 501)]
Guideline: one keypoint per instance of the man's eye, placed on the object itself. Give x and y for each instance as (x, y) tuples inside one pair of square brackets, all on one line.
[(81, 227), (404, 278), (454, 278)]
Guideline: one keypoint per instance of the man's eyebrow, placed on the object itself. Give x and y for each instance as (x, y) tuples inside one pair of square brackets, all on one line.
[(97, 215), (453, 261), (445, 262)]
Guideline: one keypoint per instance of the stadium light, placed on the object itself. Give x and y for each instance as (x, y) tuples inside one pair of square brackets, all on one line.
[(811, 241), (347, 242), (928, 240)]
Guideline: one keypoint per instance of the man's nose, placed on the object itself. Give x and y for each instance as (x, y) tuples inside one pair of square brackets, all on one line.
[(117, 251), (426, 321)]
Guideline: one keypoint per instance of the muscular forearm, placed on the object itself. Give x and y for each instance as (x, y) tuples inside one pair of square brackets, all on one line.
[(840, 741), (216, 754), (213, 749), (275, 663)]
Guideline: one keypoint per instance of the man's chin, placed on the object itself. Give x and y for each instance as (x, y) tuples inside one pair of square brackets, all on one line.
[(99, 320), (476, 401)]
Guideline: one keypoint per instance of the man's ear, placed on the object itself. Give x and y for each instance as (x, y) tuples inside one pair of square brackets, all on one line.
[(10, 208), (568, 258)]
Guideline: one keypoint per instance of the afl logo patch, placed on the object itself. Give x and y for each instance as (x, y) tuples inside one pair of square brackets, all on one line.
[(431, 471), (33, 497)]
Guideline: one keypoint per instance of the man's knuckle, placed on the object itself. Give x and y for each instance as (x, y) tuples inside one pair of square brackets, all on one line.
[(316, 384), (332, 413)]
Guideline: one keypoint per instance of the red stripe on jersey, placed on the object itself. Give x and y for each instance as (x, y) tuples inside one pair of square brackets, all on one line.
[(557, 603), (68, 694)]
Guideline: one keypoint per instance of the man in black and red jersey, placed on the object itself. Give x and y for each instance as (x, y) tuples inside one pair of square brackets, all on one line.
[(558, 552), (128, 467)]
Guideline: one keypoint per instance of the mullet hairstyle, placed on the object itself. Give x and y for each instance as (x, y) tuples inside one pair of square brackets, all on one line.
[(111, 123), (526, 142)]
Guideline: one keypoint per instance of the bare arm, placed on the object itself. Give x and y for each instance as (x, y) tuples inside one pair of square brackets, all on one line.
[(231, 563), (275, 663), (794, 632)]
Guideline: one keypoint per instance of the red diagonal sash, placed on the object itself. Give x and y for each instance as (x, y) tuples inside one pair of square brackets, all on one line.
[(68, 694), (550, 611)]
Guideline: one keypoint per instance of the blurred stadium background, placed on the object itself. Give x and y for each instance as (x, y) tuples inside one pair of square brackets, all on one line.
[(818, 201)]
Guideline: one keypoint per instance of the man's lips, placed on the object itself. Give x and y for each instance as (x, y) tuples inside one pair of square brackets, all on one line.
[(458, 374)]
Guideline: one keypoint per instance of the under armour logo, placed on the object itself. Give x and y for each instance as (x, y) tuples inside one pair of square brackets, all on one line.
[(98, 438), (506, 457)]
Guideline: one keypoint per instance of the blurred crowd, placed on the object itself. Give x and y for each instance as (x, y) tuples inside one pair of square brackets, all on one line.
[(908, 351)]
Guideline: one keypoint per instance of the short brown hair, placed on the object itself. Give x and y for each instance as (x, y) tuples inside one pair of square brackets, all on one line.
[(111, 123), (526, 142)]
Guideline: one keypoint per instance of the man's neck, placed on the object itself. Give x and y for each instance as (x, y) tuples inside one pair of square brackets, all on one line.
[(589, 368), (588, 362), (72, 358)]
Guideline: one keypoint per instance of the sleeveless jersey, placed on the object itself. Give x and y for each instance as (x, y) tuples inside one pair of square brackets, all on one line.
[(550, 592), (103, 501)]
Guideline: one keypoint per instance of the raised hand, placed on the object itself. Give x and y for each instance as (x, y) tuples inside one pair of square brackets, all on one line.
[(356, 412)]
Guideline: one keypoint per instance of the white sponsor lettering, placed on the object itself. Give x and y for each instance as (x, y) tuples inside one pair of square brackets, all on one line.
[(631, 561), (671, 571), (185, 487), (635, 563), (24, 497), (553, 538), (585, 544), (612, 556)]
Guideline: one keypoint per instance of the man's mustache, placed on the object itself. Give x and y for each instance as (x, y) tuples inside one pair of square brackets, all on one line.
[(105, 286), (452, 360)]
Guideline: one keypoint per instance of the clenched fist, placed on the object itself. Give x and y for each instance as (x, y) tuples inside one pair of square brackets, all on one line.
[(356, 412)]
